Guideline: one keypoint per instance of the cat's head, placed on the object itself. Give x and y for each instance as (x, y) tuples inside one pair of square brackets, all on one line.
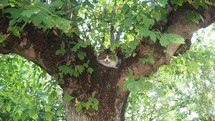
[(107, 56)]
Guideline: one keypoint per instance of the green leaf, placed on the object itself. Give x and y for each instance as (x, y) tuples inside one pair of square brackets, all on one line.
[(79, 68), (19, 112), (143, 32), (48, 116), (3, 38), (16, 33), (178, 2), (76, 47), (15, 13), (193, 16), (93, 94), (37, 19), (33, 113), (153, 36), (212, 1), (63, 24), (29, 13), (82, 43), (60, 52), (133, 86), (78, 106), (163, 2), (159, 91), (171, 38), (90, 70), (65, 69), (74, 73), (52, 96), (86, 105), (3, 1), (94, 103), (62, 45), (193, 67), (149, 59), (147, 22), (130, 72), (133, 44), (68, 98), (128, 22), (145, 85), (16, 99), (57, 3), (8, 108), (47, 108), (81, 55), (125, 8)]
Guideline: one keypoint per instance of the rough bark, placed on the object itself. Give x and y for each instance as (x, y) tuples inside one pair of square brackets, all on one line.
[(107, 82)]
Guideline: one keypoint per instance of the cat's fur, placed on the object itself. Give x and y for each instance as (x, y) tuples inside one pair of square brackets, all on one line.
[(108, 58)]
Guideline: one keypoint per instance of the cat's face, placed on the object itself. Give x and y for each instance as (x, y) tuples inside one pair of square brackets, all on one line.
[(107, 55), (107, 58)]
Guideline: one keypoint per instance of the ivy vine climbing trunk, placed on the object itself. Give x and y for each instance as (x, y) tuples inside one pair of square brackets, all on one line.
[(107, 82), (111, 97)]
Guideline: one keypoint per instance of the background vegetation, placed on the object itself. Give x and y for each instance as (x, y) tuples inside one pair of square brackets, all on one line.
[(186, 86), (27, 92)]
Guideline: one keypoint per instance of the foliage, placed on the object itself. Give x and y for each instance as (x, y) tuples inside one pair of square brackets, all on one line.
[(90, 20), (188, 84), (27, 92), (92, 103)]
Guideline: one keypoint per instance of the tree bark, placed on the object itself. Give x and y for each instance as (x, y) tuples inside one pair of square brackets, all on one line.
[(107, 82)]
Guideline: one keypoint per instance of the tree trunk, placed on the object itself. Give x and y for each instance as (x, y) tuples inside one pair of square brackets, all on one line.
[(109, 92), (111, 108)]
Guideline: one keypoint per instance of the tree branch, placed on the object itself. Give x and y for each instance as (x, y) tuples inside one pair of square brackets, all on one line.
[(178, 24), (112, 38)]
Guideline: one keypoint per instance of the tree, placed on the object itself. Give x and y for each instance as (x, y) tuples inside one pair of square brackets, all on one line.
[(62, 36), (187, 84), (27, 92)]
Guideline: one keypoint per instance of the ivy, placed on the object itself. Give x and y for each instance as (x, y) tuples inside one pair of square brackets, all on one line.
[(147, 60), (62, 49), (92, 102), (76, 70), (81, 55), (193, 16), (68, 98), (3, 38)]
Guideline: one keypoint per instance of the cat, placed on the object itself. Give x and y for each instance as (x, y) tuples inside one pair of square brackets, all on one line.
[(108, 58)]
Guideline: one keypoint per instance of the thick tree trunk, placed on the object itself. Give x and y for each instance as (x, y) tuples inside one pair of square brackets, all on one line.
[(109, 92), (111, 108), (107, 82), (116, 115)]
